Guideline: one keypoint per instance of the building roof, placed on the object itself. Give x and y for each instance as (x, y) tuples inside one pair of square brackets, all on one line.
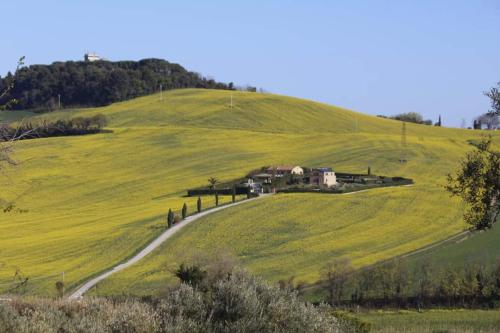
[(283, 167), (323, 169), (262, 175)]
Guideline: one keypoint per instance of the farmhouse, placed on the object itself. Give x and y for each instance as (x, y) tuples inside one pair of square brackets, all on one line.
[(322, 177), (282, 170)]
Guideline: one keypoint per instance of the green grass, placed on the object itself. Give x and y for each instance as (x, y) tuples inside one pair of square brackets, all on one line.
[(94, 200), (479, 248), (456, 321)]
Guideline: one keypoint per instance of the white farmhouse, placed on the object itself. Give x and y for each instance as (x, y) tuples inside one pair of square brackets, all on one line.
[(323, 177)]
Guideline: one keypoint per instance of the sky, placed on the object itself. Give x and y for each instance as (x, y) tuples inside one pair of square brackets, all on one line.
[(373, 56)]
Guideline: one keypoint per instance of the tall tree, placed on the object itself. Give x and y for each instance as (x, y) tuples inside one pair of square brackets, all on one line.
[(184, 211), (198, 205), (212, 183), (477, 182), (170, 218)]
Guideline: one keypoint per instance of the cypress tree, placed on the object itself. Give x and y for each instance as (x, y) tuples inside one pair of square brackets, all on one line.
[(248, 193), (198, 205), (234, 193), (184, 211), (216, 199), (170, 218)]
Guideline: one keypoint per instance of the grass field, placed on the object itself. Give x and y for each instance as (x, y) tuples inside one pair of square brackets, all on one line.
[(453, 321), (480, 248), (93, 200)]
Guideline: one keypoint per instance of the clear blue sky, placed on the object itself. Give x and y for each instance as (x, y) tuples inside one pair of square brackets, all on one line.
[(378, 57)]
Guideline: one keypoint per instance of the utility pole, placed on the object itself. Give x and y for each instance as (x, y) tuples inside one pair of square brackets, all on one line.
[(403, 143)]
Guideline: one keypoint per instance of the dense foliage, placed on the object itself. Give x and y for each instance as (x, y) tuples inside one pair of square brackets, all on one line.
[(412, 117), (44, 128), (477, 182), (237, 303), (96, 83), (395, 284)]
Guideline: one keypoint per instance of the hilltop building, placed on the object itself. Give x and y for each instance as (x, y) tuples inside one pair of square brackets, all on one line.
[(91, 57)]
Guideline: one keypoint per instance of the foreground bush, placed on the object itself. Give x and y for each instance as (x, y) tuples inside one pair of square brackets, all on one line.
[(237, 303)]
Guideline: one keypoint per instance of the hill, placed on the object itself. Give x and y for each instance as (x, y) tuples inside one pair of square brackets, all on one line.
[(481, 248), (94, 200), (82, 83)]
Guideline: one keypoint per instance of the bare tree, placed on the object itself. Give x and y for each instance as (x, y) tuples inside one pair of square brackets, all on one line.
[(7, 138), (335, 275), (494, 95), (490, 120)]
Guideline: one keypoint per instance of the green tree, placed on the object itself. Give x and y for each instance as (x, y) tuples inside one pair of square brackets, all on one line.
[(170, 218), (412, 117), (198, 205), (477, 182), (184, 211), (450, 285)]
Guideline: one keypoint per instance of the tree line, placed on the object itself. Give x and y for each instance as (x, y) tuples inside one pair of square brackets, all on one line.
[(78, 83), (395, 284), (412, 117), (45, 128)]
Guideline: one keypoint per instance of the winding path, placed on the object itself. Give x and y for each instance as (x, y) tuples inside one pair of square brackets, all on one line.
[(78, 293)]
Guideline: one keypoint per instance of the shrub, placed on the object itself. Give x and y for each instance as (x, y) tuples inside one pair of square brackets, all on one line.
[(236, 303)]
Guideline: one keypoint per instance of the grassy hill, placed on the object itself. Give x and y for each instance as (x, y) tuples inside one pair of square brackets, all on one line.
[(479, 248), (94, 200)]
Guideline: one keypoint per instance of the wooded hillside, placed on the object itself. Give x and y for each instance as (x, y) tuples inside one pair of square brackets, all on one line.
[(97, 83)]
